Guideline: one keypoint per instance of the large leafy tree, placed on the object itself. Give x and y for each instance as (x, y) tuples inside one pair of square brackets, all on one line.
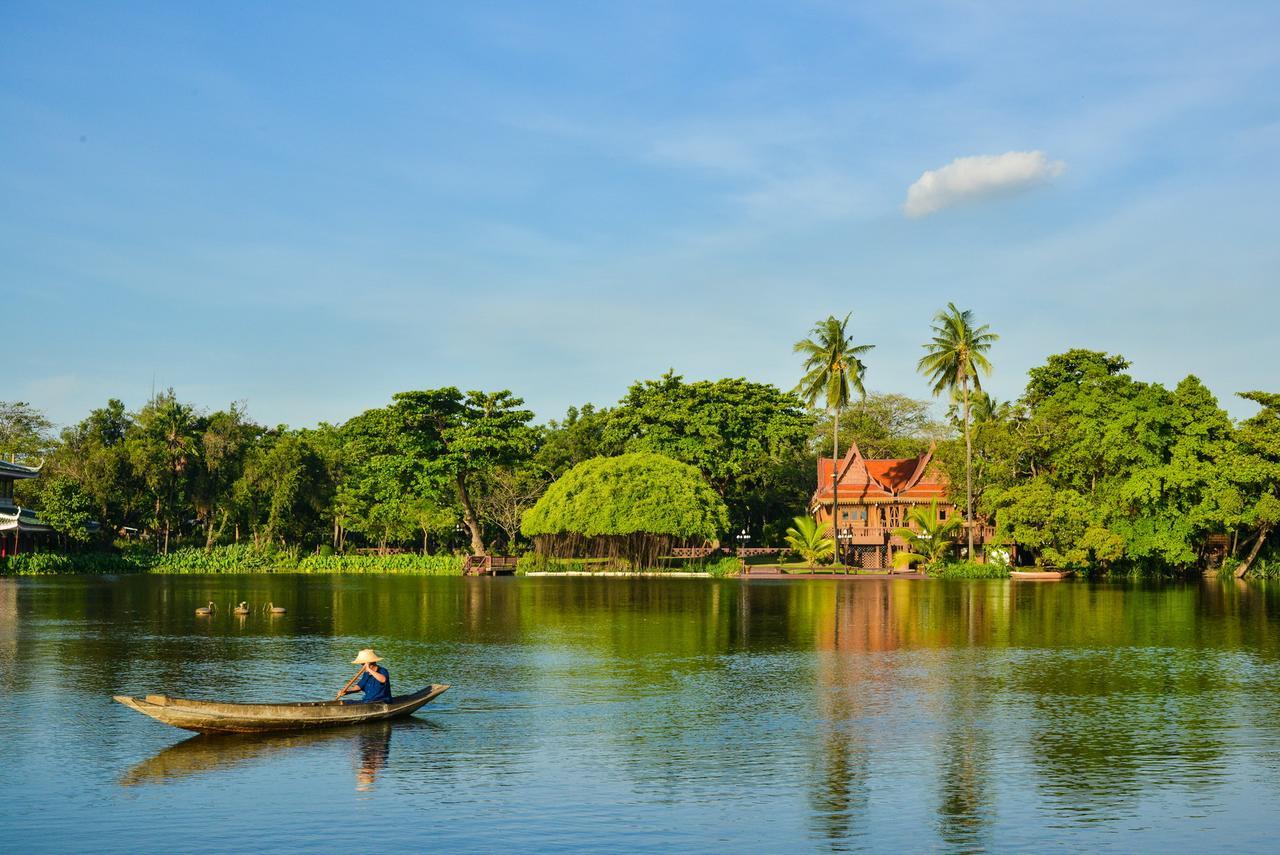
[(384, 476), (285, 488), (631, 506), (581, 435), (462, 437), (742, 437), (1254, 473), (66, 508), (93, 453), (1143, 464), (24, 430), (954, 361), (1061, 527), (162, 449), (833, 372), (883, 425), (225, 440)]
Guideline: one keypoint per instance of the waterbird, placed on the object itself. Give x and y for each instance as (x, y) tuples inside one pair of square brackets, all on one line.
[(274, 609), (242, 609), (205, 611)]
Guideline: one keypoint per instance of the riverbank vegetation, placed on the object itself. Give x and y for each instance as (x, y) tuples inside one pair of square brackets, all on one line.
[(1090, 468), (225, 559)]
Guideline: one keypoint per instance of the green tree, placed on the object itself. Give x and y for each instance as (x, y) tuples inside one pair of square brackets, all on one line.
[(464, 437), (833, 372), (66, 508), (93, 453), (883, 425), (929, 539), (506, 493), (632, 507), (955, 360), (1061, 526), (1255, 470), (162, 448), (24, 430), (811, 541), (581, 435), (285, 488), (225, 439), (740, 435)]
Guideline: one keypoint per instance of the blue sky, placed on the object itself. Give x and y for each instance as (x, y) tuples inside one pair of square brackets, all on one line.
[(308, 207)]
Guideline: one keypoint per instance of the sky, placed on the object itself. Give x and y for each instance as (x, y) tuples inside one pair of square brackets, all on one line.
[(307, 207)]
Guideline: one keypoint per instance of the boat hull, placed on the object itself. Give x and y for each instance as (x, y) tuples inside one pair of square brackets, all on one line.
[(218, 717), (1040, 575)]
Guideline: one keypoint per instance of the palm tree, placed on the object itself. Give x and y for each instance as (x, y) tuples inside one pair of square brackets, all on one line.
[(809, 540), (928, 538), (953, 362), (833, 372)]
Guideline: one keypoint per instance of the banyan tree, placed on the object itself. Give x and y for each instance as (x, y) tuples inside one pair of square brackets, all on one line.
[(634, 507)]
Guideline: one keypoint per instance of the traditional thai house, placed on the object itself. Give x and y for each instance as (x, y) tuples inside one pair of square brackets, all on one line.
[(16, 521), (875, 497)]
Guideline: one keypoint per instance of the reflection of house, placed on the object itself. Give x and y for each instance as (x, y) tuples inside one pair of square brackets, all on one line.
[(15, 521), (875, 497)]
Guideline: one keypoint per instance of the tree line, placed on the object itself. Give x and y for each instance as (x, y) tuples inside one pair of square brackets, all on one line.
[(1089, 467)]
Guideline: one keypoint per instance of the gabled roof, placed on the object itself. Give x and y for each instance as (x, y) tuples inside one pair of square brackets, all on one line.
[(908, 477)]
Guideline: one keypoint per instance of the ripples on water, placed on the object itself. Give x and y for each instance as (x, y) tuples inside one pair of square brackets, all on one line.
[(650, 715)]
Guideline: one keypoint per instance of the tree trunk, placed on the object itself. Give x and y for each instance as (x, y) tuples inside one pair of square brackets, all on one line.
[(469, 516), (1253, 553), (835, 483), (968, 467)]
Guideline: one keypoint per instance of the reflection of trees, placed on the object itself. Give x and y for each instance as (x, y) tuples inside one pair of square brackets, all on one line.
[(965, 807), (1130, 686), (9, 635)]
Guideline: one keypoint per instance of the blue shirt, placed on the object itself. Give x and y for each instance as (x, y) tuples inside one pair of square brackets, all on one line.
[(374, 691)]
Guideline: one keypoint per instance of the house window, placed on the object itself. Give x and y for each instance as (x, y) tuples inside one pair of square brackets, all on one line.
[(844, 515), (942, 514)]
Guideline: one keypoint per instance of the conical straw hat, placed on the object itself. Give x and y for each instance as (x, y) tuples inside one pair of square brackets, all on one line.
[(365, 656)]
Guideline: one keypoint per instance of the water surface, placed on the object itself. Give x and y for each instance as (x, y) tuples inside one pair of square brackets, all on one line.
[(650, 715)]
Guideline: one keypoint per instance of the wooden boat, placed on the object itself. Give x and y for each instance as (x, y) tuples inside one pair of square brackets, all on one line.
[(1040, 575), (219, 717)]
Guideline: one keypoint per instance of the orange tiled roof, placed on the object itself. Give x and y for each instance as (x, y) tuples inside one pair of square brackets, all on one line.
[(908, 478)]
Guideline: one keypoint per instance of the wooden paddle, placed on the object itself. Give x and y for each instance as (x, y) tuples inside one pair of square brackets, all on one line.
[(350, 683)]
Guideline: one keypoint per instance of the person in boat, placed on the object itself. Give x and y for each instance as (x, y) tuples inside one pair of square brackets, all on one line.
[(374, 681)]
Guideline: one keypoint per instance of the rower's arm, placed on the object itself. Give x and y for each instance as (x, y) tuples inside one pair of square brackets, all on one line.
[(378, 675)]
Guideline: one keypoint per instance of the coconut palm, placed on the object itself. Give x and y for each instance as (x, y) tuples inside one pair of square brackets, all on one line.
[(954, 361), (809, 540), (833, 372), (928, 538)]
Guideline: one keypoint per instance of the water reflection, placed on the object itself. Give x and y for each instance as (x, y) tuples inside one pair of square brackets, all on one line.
[(368, 745), (632, 713)]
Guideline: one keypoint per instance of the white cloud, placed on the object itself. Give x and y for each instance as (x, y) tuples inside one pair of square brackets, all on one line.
[(975, 177)]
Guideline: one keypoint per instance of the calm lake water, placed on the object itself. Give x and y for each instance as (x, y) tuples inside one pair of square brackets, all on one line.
[(650, 715)]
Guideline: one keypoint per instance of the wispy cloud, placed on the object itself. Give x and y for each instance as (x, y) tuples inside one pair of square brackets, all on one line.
[(977, 177)]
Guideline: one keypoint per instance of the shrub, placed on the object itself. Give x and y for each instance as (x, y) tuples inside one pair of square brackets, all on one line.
[(723, 567), (969, 570), (227, 559)]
